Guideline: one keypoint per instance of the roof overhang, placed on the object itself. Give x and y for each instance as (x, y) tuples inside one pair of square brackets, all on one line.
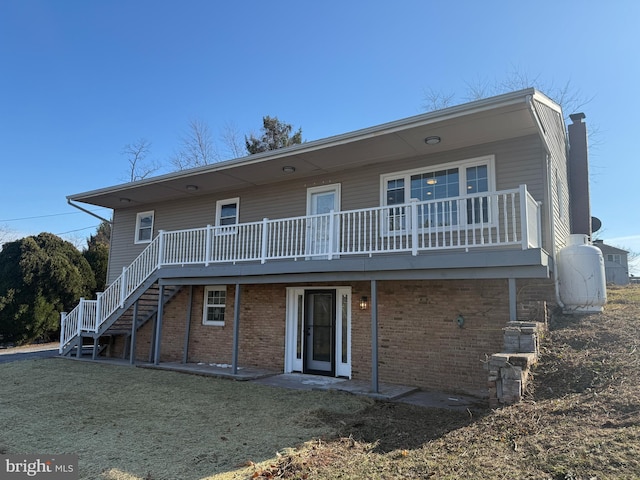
[(493, 119)]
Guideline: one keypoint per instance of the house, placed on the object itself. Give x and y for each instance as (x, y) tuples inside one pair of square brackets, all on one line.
[(396, 253), (616, 263)]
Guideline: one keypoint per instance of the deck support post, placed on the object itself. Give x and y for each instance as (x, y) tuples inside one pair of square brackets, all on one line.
[(156, 350), (187, 333), (94, 354), (374, 336), (513, 311), (236, 330), (134, 332)]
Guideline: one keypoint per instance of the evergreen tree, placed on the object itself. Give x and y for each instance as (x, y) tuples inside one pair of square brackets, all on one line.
[(275, 134), (40, 276), (97, 254)]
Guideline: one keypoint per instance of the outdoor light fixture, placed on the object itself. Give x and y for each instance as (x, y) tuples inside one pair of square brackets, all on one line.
[(460, 321), (288, 169), (433, 140), (364, 303), (125, 200), (192, 188)]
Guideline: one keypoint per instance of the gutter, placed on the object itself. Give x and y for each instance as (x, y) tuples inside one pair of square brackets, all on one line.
[(88, 211), (542, 132)]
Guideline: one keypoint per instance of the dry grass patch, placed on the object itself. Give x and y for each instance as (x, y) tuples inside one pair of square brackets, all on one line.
[(581, 421), (128, 423)]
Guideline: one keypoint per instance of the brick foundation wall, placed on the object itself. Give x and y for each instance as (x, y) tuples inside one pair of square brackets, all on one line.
[(262, 328), (420, 342)]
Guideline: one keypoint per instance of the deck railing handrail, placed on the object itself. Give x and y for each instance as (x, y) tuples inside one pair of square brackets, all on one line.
[(504, 218)]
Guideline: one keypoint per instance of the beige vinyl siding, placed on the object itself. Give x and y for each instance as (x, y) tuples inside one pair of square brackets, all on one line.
[(519, 161), (555, 134)]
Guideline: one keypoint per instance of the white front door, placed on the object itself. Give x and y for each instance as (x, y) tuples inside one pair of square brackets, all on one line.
[(322, 230)]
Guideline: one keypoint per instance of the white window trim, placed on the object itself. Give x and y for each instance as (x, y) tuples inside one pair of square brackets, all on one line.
[(205, 305), (461, 165), (227, 229), (139, 217)]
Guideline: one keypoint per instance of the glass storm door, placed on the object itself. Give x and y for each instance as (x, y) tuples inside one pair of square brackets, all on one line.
[(320, 202), (320, 321)]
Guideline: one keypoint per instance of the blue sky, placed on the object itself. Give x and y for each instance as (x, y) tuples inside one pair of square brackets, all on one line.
[(81, 79)]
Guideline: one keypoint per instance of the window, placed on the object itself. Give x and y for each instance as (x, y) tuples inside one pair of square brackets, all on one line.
[(437, 184), (144, 227), (215, 302), (227, 213), (614, 257)]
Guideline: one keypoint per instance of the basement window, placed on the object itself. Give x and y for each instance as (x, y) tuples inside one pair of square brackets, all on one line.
[(215, 303)]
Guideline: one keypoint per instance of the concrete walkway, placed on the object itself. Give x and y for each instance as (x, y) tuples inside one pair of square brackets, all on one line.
[(299, 381), (295, 381)]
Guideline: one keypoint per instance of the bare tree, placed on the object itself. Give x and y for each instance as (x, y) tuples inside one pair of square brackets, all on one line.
[(5, 235), (233, 141), (569, 98), (434, 100), (197, 147), (139, 166)]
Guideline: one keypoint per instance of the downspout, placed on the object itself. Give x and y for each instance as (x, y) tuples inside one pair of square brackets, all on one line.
[(541, 130), (88, 211)]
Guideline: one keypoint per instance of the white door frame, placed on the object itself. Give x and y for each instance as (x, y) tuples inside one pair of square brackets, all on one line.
[(319, 227), (294, 332)]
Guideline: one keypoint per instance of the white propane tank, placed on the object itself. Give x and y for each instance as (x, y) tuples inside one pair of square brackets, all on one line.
[(582, 281)]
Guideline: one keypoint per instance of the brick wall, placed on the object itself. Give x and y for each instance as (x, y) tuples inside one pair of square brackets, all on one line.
[(420, 342), (262, 328)]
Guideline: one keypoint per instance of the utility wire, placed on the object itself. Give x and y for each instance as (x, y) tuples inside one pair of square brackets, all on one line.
[(45, 216), (77, 230)]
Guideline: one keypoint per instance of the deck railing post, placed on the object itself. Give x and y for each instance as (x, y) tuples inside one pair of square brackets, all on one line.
[(524, 224), (207, 246), (80, 316), (413, 211), (98, 310), (63, 330), (331, 234), (123, 286), (79, 327), (160, 247), (539, 223), (265, 240)]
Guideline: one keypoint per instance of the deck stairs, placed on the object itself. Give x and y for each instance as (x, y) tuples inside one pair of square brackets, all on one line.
[(121, 321)]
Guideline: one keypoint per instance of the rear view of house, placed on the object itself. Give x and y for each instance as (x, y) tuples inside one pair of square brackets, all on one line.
[(396, 253)]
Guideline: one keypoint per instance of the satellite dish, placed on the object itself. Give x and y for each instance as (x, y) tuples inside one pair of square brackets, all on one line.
[(596, 224)]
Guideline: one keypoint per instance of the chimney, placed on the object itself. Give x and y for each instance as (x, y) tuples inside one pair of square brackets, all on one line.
[(578, 170)]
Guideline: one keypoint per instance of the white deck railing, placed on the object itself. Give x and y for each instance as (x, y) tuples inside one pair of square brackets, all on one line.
[(505, 218)]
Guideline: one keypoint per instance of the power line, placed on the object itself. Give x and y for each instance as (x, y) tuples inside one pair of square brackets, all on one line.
[(45, 216), (77, 230)]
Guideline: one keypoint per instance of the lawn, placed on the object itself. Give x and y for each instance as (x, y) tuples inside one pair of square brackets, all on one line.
[(581, 421), (132, 423)]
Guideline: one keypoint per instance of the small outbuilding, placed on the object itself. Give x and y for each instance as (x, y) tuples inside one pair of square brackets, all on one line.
[(616, 263)]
